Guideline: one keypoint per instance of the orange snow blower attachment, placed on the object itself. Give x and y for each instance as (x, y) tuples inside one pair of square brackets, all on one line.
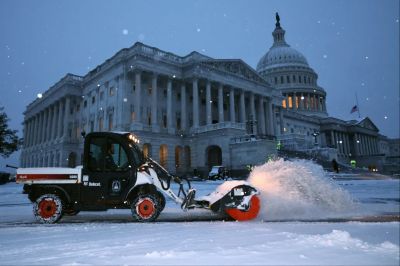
[(237, 199)]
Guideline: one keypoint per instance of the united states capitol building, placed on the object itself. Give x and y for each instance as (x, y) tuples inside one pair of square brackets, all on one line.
[(193, 112)]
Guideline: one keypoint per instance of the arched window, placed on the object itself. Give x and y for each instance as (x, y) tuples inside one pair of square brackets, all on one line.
[(178, 157), (163, 155), (147, 150)]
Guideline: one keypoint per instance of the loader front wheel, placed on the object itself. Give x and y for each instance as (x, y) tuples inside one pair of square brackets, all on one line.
[(48, 208), (145, 208), (245, 215)]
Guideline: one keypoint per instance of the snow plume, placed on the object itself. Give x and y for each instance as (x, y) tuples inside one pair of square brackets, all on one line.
[(298, 190)]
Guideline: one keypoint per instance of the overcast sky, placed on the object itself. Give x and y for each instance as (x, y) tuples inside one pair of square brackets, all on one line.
[(353, 45)]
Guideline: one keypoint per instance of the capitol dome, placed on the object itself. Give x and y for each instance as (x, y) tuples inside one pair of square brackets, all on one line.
[(281, 55), (288, 71)]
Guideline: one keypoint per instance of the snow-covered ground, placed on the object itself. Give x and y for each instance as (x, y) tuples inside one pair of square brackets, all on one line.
[(297, 225)]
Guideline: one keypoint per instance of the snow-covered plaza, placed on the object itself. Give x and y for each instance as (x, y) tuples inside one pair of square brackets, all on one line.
[(313, 218)]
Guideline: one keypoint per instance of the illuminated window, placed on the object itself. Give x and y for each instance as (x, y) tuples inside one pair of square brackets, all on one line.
[(284, 103), (178, 155), (133, 115), (147, 150), (290, 102), (297, 101), (163, 155)]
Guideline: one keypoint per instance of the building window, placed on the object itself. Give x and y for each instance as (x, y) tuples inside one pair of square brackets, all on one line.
[(84, 103), (133, 88), (299, 79), (294, 78), (164, 121), (178, 96), (149, 119), (276, 80), (281, 79), (91, 126), (78, 106), (111, 91), (93, 99), (133, 115), (149, 90), (287, 79), (101, 95), (290, 102), (165, 93), (163, 155), (297, 101), (284, 103)]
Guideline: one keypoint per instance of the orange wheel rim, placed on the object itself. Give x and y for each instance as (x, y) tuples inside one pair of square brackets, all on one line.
[(47, 208), (250, 214), (146, 208)]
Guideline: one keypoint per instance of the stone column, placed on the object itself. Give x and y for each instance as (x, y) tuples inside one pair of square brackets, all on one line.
[(183, 106), (195, 103), (138, 100), (302, 101), (208, 103), (232, 105), (287, 101), (169, 104), (261, 113), (154, 98), (54, 123), (60, 118), (46, 124), (356, 150), (281, 120), (220, 103), (66, 116), (270, 118), (41, 126), (253, 112), (242, 107), (34, 130), (347, 137)]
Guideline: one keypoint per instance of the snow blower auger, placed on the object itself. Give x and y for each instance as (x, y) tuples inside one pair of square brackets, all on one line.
[(236, 199), (115, 174)]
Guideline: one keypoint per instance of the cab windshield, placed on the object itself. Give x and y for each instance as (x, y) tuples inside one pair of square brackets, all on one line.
[(138, 157)]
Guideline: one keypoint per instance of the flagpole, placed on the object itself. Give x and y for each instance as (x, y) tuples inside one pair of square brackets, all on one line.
[(358, 106)]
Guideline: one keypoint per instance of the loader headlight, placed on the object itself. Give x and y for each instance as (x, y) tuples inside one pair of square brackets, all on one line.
[(133, 138)]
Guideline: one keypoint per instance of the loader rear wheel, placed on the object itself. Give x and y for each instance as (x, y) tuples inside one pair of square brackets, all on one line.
[(145, 208), (48, 208), (249, 214)]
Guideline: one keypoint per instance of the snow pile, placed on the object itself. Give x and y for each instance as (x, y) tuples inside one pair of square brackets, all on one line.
[(298, 190)]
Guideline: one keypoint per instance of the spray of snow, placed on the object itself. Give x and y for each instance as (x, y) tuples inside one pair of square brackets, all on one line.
[(298, 190)]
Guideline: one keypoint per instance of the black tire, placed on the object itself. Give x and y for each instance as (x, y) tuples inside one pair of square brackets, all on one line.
[(48, 208), (145, 208)]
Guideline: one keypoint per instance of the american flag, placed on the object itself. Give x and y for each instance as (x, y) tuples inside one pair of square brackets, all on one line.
[(354, 109)]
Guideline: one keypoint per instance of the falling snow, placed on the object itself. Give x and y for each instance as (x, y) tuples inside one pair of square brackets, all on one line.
[(125, 32), (325, 56)]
